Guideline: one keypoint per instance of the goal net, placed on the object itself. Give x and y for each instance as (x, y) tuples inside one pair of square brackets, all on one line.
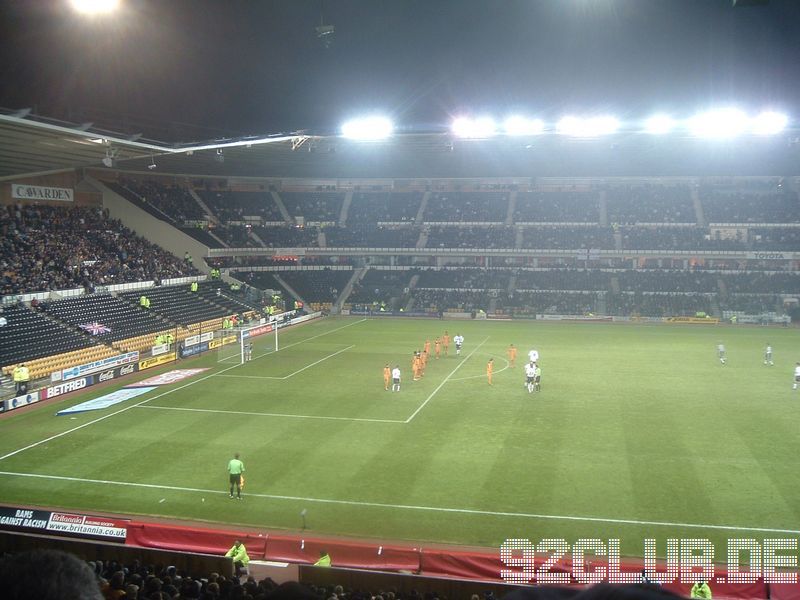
[(243, 344)]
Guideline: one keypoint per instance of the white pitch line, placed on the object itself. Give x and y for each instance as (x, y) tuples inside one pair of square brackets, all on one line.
[(291, 374), (462, 511), (63, 433), (478, 376), (445, 380), (261, 414), (122, 410)]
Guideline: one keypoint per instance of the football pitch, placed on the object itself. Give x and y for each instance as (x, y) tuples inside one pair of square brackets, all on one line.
[(638, 432)]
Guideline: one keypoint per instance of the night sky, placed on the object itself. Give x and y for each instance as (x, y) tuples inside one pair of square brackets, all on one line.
[(257, 66)]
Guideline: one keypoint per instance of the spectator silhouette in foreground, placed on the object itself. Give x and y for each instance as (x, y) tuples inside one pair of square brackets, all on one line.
[(47, 575)]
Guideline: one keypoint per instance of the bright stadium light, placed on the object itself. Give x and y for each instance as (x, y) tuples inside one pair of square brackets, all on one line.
[(368, 128), (591, 127), (659, 124), (95, 7), (722, 123), (482, 127), (769, 123), (523, 126)]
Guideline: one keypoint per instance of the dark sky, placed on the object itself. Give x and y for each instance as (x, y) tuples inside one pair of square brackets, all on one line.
[(256, 66)]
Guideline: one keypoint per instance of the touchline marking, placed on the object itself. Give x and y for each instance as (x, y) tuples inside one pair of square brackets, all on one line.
[(445, 380), (291, 374), (261, 414), (462, 511), (156, 397)]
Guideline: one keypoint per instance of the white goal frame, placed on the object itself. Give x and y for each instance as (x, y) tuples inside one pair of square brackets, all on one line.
[(245, 335)]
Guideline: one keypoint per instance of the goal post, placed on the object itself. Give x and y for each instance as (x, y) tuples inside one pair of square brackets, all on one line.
[(243, 344)]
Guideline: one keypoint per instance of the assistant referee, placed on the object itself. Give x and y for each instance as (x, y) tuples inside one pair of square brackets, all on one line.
[(235, 472)]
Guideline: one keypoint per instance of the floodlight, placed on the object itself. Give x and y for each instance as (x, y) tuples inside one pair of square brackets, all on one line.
[(523, 126), (769, 123), (591, 127), (721, 123), (95, 7), (482, 127), (659, 124), (368, 128)]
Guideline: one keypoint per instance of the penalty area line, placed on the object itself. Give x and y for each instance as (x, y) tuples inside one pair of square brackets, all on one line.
[(262, 414), (291, 374), (460, 511), (445, 380)]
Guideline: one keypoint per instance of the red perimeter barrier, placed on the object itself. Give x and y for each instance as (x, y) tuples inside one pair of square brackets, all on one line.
[(355, 555), (477, 565), (191, 539)]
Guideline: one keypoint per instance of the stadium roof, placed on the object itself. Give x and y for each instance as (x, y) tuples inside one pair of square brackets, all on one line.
[(32, 145)]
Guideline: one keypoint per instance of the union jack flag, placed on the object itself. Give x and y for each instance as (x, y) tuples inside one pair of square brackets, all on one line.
[(95, 328)]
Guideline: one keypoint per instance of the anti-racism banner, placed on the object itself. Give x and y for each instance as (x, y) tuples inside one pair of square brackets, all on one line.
[(38, 192), (62, 523)]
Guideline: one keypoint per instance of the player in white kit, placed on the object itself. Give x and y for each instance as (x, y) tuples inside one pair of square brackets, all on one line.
[(530, 376), (458, 340), (533, 356)]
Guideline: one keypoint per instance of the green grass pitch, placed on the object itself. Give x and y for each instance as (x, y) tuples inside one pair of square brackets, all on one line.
[(638, 432)]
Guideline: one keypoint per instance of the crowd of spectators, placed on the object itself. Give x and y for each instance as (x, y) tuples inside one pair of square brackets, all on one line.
[(658, 305), (288, 236), (46, 248), (381, 286), (650, 204), (235, 206), (557, 207), (493, 236), (438, 300), (314, 206), (568, 238), (482, 207), (465, 279), (171, 200), (375, 207), (563, 279), (371, 236), (529, 303), (668, 281), (49, 574), (744, 207), (677, 238), (762, 283)]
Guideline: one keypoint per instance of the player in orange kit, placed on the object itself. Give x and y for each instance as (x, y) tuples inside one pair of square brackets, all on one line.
[(512, 354), (416, 366), (437, 347), (427, 347), (446, 342), (387, 376), (490, 370)]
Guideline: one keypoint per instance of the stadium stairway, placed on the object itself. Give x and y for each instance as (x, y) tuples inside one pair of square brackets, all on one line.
[(512, 206), (292, 292), (281, 207), (348, 199), (698, 208), (421, 212), (206, 210), (358, 275), (603, 208)]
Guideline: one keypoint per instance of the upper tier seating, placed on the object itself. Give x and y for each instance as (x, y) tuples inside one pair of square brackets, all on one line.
[(466, 207), (373, 207), (314, 206)]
